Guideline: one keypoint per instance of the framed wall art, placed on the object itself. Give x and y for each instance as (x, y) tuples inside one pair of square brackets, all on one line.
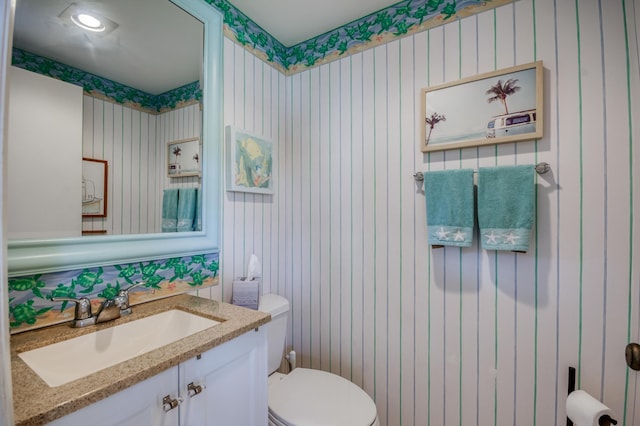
[(94, 187), (184, 158), (250, 162), (495, 107)]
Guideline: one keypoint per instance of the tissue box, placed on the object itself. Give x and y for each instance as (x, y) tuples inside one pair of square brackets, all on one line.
[(246, 293)]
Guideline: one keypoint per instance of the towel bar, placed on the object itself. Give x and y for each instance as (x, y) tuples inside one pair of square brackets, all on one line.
[(541, 168)]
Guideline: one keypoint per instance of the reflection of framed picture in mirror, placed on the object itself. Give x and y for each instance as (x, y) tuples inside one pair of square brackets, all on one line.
[(183, 158), (94, 187)]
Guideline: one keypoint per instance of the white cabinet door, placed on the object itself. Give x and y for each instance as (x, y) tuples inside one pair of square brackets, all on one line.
[(233, 379), (139, 405)]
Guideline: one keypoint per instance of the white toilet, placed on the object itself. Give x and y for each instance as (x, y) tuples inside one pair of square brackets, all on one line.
[(306, 397)]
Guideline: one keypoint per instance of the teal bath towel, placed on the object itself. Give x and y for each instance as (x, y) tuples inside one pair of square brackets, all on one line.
[(187, 198), (169, 210), (450, 207), (505, 207)]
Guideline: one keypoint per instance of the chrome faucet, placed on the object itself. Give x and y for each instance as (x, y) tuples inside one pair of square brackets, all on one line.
[(83, 316), (109, 310), (122, 299)]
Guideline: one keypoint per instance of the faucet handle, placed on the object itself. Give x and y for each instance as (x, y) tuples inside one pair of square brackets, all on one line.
[(82, 315), (123, 298)]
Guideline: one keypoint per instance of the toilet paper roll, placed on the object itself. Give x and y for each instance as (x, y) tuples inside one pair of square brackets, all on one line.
[(585, 410)]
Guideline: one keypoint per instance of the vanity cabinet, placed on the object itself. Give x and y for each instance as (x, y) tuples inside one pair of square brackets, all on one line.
[(226, 385)]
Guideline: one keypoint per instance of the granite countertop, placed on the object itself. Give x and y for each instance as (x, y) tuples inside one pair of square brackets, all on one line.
[(36, 403)]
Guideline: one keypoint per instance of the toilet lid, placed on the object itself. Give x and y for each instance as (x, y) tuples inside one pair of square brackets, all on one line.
[(307, 397)]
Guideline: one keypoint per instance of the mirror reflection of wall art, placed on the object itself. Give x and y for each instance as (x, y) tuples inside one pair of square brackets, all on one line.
[(250, 162), (94, 187), (184, 158), (496, 107)]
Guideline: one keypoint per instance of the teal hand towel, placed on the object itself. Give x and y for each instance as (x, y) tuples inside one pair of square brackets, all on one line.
[(186, 209), (169, 210), (505, 207), (450, 207)]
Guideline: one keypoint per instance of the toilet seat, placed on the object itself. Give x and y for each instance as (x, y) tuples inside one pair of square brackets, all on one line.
[(307, 397)]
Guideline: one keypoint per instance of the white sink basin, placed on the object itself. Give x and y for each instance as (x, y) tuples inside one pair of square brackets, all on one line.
[(75, 358)]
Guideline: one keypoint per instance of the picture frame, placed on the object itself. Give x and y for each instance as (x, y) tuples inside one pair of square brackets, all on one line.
[(495, 107), (250, 162), (94, 187), (184, 158)]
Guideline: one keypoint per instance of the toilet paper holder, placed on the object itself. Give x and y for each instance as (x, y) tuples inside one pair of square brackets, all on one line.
[(605, 420)]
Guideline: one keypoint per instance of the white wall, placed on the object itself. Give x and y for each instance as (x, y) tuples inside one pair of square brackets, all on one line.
[(255, 101), (452, 336)]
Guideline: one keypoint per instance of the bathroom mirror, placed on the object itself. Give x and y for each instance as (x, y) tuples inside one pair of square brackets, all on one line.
[(40, 254)]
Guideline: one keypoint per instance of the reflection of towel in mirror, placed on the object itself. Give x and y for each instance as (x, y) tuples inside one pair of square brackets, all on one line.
[(197, 226), (169, 210), (186, 209)]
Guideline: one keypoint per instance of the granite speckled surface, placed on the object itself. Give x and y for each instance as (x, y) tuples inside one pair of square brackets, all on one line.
[(36, 403)]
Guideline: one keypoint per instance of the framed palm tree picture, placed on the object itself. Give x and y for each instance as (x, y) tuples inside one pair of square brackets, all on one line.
[(495, 107), (184, 158)]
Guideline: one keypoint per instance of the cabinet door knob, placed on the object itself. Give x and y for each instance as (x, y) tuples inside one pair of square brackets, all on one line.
[(169, 403), (193, 389)]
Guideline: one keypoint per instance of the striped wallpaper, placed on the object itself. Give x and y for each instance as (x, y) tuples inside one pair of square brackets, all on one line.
[(451, 336), (134, 144)]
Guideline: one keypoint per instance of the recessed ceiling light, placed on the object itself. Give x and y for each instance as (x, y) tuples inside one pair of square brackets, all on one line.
[(88, 22), (87, 19)]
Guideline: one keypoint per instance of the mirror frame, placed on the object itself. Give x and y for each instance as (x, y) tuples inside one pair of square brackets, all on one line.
[(48, 255)]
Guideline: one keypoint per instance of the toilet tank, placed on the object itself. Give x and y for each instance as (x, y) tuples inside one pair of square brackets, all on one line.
[(278, 307)]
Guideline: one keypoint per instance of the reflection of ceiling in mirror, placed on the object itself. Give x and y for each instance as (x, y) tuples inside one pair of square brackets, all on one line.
[(105, 89), (161, 44)]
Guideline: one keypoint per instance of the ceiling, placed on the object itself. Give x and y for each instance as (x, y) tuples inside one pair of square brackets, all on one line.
[(165, 52)]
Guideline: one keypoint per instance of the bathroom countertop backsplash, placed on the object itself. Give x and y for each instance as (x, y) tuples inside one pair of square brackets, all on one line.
[(36, 403), (30, 304)]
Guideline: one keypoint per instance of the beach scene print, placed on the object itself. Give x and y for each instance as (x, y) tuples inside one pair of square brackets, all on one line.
[(484, 110)]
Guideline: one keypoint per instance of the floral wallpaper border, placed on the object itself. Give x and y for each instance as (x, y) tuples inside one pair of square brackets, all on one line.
[(30, 304), (399, 20), (103, 88)]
